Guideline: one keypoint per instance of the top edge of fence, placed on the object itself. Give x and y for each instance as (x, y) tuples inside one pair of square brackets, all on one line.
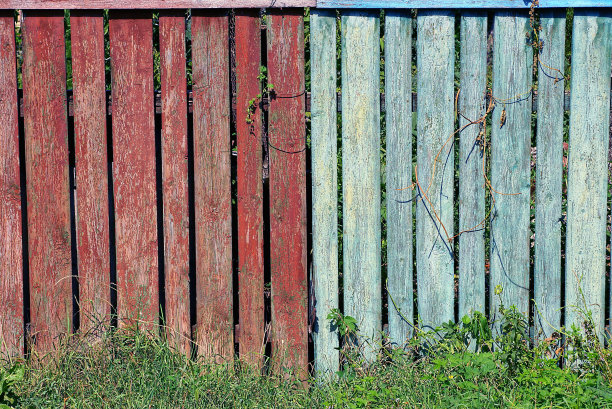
[(334, 4)]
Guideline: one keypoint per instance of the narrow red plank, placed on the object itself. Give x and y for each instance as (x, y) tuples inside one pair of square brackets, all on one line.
[(250, 188), (174, 174), (11, 263), (286, 132), (46, 146), (212, 167), (87, 38), (131, 46), (150, 4)]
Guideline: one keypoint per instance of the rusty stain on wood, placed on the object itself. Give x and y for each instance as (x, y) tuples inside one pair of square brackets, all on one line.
[(131, 45)]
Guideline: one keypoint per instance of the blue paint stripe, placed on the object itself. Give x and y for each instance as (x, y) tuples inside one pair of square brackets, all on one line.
[(465, 4)]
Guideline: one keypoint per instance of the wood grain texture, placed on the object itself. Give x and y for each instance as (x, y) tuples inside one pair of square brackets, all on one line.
[(46, 154), (435, 166), (398, 97), (549, 175), (151, 4), (324, 165), (11, 252), (452, 4), (131, 46), (361, 173), (587, 168), (510, 161), (175, 176), (249, 189), (212, 166), (287, 138), (93, 252), (472, 105)]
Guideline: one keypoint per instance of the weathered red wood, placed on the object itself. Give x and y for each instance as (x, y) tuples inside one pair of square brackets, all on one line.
[(150, 4), (250, 188), (87, 38), (11, 262), (174, 176), (212, 167), (131, 46), (46, 155), (288, 188)]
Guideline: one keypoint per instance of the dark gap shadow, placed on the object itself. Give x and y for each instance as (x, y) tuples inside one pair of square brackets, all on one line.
[(73, 234)]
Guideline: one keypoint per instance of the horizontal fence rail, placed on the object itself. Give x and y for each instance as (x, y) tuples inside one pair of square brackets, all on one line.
[(235, 176)]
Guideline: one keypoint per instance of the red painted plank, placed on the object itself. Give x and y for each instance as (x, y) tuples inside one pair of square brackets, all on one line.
[(46, 146), (250, 188), (212, 167), (288, 188), (131, 45), (87, 38), (151, 4), (11, 264), (174, 174)]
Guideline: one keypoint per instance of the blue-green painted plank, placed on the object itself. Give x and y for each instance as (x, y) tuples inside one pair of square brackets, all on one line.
[(435, 124), (398, 93), (587, 168), (472, 105), (466, 4), (361, 172), (510, 161), (324, 187), (549, 174)]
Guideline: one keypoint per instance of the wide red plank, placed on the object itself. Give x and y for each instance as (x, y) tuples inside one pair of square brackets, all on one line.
[(11, 263), (131, 45), (288, 188), (87, 38), (150, 4), (46, 146), (212, 167), (250, 188), (174, 176)]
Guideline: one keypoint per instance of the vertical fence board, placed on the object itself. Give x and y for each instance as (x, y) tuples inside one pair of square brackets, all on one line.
[(398, 92), (472, 105), (587, 168), (324, 167), (11, 262), (549, 174), (435, 166), (287, 137), (87, 40), (510, 160), (212, 166), (46, 146), (361, 172), (175, 188), (249, 188), (131, 46)]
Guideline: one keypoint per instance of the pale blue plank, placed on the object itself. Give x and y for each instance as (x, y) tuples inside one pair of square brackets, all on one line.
[(398, 90), (435, 166), (588, 168), (361, 173), (466, 4)]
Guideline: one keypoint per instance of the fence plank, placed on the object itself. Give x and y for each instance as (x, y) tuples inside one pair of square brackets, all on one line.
[(249, 188), (549, 174), (87, 40), (287, 142), (398, 90), (435, 166), (212, 166), (587, 168), (174, 176), (510, 161), (131, 45), (361, 172), (11, 262), (46, 146), (324, 165), (152, 4), (472, 105)]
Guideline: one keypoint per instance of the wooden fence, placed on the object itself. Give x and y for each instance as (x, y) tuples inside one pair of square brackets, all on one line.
[(239, 221)]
